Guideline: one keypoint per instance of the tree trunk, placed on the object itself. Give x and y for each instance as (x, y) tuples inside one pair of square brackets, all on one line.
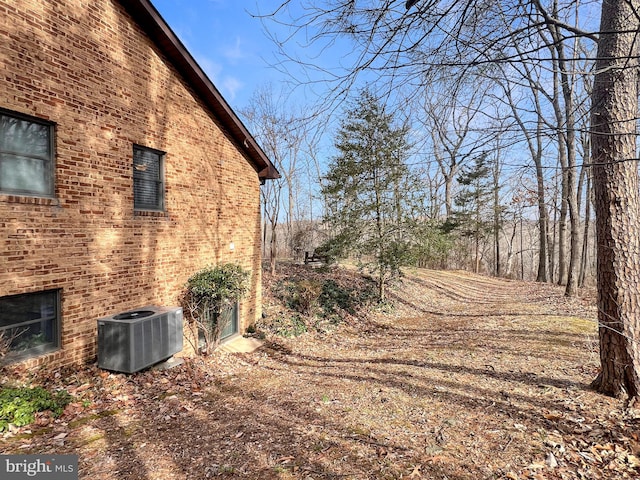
[(543, 218), (570, 192), (448, 195), (584, 258), (562, 221), (273, 251), (510, 253), (613, 130), (496, 240), (552, 237), (497, 224), (290, 217), (476, 249)]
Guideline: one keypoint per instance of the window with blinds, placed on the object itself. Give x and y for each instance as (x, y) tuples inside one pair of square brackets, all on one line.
[(148, 178)]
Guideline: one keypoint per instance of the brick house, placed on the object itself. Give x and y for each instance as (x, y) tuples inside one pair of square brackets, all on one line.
[(122, 172)]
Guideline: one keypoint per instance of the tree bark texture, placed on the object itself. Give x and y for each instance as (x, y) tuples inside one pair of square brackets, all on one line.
[(613, 136)]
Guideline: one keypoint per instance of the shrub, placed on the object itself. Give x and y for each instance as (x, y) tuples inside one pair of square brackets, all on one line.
[(305, 296), (208, 292), (317, 304), (18, 406)]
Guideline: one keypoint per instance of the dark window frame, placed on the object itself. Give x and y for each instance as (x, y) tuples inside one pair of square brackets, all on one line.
[(138, 204), (49, 160), (53, 319)]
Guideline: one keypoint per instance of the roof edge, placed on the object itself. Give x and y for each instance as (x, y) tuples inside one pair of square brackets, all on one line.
[(150, 20)]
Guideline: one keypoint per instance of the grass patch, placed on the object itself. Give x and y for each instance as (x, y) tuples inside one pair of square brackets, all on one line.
[(92, 439), (89, 418)]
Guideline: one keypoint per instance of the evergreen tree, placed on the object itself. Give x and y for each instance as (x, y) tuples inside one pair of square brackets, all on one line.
[(370, 191), (474, 216)]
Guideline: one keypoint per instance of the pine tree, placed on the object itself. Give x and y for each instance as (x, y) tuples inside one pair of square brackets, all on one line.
[(369, 191), (474, 217)]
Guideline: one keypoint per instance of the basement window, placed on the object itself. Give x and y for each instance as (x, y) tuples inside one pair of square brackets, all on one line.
[(26, 155), (148, 179), (29, 324)]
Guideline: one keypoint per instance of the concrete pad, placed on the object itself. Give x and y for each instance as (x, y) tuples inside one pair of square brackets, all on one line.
[(241, 345), (167, 364)]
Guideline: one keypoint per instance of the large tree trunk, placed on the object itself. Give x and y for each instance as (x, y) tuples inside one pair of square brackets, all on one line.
[(613, 130)]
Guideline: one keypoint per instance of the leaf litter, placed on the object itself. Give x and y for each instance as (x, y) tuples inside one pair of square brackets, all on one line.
[(467, 377)]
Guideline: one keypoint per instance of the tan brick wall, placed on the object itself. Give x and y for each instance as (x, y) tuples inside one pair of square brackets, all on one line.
[(87, 67)]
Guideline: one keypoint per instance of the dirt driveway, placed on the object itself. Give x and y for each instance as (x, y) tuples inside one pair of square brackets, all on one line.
[(468, 378)]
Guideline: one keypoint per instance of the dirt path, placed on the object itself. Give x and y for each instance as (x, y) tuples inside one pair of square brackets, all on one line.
[(468, 378)]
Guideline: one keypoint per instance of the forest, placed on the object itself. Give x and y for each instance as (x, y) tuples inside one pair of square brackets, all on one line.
[(494, 137)]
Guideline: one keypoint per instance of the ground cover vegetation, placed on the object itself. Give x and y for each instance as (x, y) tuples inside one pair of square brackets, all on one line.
[(466, 377)]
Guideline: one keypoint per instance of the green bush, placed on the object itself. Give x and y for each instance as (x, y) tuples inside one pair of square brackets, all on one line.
[(18, 406), (208, 293), (215, 287)]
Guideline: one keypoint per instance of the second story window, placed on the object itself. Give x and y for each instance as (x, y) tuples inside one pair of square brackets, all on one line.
[(148, 178), (26, 155)]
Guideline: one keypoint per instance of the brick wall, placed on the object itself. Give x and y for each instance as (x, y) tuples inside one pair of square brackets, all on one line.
[(87, 67)]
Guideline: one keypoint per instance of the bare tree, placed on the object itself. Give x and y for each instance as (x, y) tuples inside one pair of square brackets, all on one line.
[(585, 191), (450, 120), (534, 139), (282, 135)]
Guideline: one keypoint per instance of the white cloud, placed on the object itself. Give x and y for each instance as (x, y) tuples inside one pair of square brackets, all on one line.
[(230, 87), (234, 52)]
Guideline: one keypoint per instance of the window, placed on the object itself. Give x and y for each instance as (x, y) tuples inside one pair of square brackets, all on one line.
[(229, 323), (29, 324), (148, 179), (26, 155)]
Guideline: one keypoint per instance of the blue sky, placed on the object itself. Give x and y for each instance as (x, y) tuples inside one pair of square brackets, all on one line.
[(226, 41)]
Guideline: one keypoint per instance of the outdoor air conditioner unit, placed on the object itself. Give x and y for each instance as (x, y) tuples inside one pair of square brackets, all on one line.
[(134, 340)]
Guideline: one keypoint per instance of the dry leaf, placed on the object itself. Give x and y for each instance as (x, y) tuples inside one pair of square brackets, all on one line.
[(633, 461), (608, 446), (552, 416), (285, 459), (416, 472)]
